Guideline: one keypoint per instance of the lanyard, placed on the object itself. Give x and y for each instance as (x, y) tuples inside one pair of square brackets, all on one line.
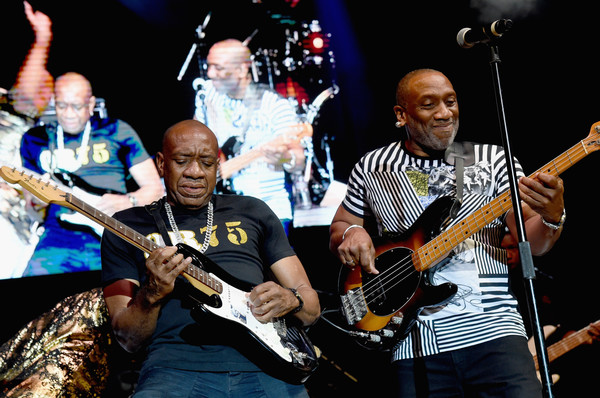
[(65, 163)]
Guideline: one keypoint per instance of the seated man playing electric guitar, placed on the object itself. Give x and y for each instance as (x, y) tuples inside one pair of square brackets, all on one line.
[(100, 154), (196, 327)]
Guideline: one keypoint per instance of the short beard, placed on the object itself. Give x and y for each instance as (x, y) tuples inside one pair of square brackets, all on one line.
[(431, 144)]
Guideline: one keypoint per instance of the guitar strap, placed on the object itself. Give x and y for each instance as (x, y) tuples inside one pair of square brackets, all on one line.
[(154, 209), (459, 154)]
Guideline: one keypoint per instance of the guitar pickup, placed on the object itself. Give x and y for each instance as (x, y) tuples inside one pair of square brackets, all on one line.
[(280, 327), (354, 306)]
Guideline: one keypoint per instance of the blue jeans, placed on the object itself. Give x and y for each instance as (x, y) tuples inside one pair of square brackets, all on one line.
[(166, 382), (499, 368)]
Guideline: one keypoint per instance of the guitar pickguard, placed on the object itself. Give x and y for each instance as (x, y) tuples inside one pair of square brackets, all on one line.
[(279, 338), (395, 284)]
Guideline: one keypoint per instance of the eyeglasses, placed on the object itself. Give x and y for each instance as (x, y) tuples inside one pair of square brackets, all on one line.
[(76, 107)]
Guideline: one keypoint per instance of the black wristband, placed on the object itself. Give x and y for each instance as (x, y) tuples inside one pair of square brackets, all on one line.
[(300, 301)]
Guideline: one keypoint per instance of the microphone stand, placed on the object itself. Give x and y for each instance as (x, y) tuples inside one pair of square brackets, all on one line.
[(198, 49), (195, 50), (527, 266)]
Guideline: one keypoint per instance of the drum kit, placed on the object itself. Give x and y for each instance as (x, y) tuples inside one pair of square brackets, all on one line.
[(301, 68), (304, 72)]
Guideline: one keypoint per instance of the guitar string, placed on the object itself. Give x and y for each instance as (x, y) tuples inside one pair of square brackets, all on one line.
[(293, 336), (237, 162), (408, 263), (391, 275), (405, 264)]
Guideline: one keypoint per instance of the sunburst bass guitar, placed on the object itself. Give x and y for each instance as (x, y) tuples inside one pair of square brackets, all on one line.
[(382, 309), (281, 346)]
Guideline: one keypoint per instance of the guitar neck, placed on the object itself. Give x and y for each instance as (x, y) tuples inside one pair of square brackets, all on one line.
[(200, 278), (116, 227), (565, 345), (229, 167), (438, 248), (292, 134)]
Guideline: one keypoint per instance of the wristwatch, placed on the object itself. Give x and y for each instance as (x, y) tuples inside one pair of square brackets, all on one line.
[(132, 199), (556, 226), (300, 301)]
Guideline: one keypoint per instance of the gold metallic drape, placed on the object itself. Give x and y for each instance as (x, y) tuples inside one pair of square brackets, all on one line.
[(62, 353)]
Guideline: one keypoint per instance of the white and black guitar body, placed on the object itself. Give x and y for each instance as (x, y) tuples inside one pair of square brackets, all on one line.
[(281, 348)]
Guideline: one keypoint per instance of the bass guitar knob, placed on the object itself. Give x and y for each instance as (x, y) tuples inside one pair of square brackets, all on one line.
[(387, 333)]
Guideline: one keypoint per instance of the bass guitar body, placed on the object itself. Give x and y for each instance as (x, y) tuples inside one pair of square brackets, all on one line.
[(384, 307)]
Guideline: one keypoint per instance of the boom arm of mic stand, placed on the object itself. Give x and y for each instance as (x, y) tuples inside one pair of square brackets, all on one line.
[(200, 34), (525, 255), (187, 61)]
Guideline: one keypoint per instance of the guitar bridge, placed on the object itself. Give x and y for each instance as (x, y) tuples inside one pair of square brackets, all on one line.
[(354, 306)]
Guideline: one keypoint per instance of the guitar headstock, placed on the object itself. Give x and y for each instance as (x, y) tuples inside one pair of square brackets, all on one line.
[(44, 190), (306, 130), (592, 141), (294, 133)]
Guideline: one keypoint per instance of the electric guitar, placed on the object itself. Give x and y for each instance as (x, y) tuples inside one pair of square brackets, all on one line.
[(291, 356), (383, 308), (231, 166), (565, 345), (561, 347)]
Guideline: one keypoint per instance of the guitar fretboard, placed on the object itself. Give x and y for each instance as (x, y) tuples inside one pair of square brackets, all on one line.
[(138, 240), (438, 248), (567, 344), (295, 133), (239, 162)]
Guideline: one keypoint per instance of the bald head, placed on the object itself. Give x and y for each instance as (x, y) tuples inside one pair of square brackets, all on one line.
[(188, 164), (403, 88), (189, 128), (229, 67), (74, 102), (231, 49), (428, 109), (75, 81)]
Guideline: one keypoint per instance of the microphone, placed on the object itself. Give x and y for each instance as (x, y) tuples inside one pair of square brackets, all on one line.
[(468, 37)]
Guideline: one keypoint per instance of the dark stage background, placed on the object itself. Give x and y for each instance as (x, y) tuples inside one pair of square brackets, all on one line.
[(132, 52)]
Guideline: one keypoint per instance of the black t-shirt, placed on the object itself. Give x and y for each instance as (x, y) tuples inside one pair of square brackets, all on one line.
[(247, 238)]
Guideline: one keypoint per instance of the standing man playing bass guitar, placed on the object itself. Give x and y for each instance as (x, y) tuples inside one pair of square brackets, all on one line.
[(196, 335), (470, 341)]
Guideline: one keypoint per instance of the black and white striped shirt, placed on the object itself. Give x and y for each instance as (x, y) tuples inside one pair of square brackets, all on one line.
[(254, 121), (394, 187)]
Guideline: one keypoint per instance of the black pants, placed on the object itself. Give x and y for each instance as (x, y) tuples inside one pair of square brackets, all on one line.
[(500, 368)]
